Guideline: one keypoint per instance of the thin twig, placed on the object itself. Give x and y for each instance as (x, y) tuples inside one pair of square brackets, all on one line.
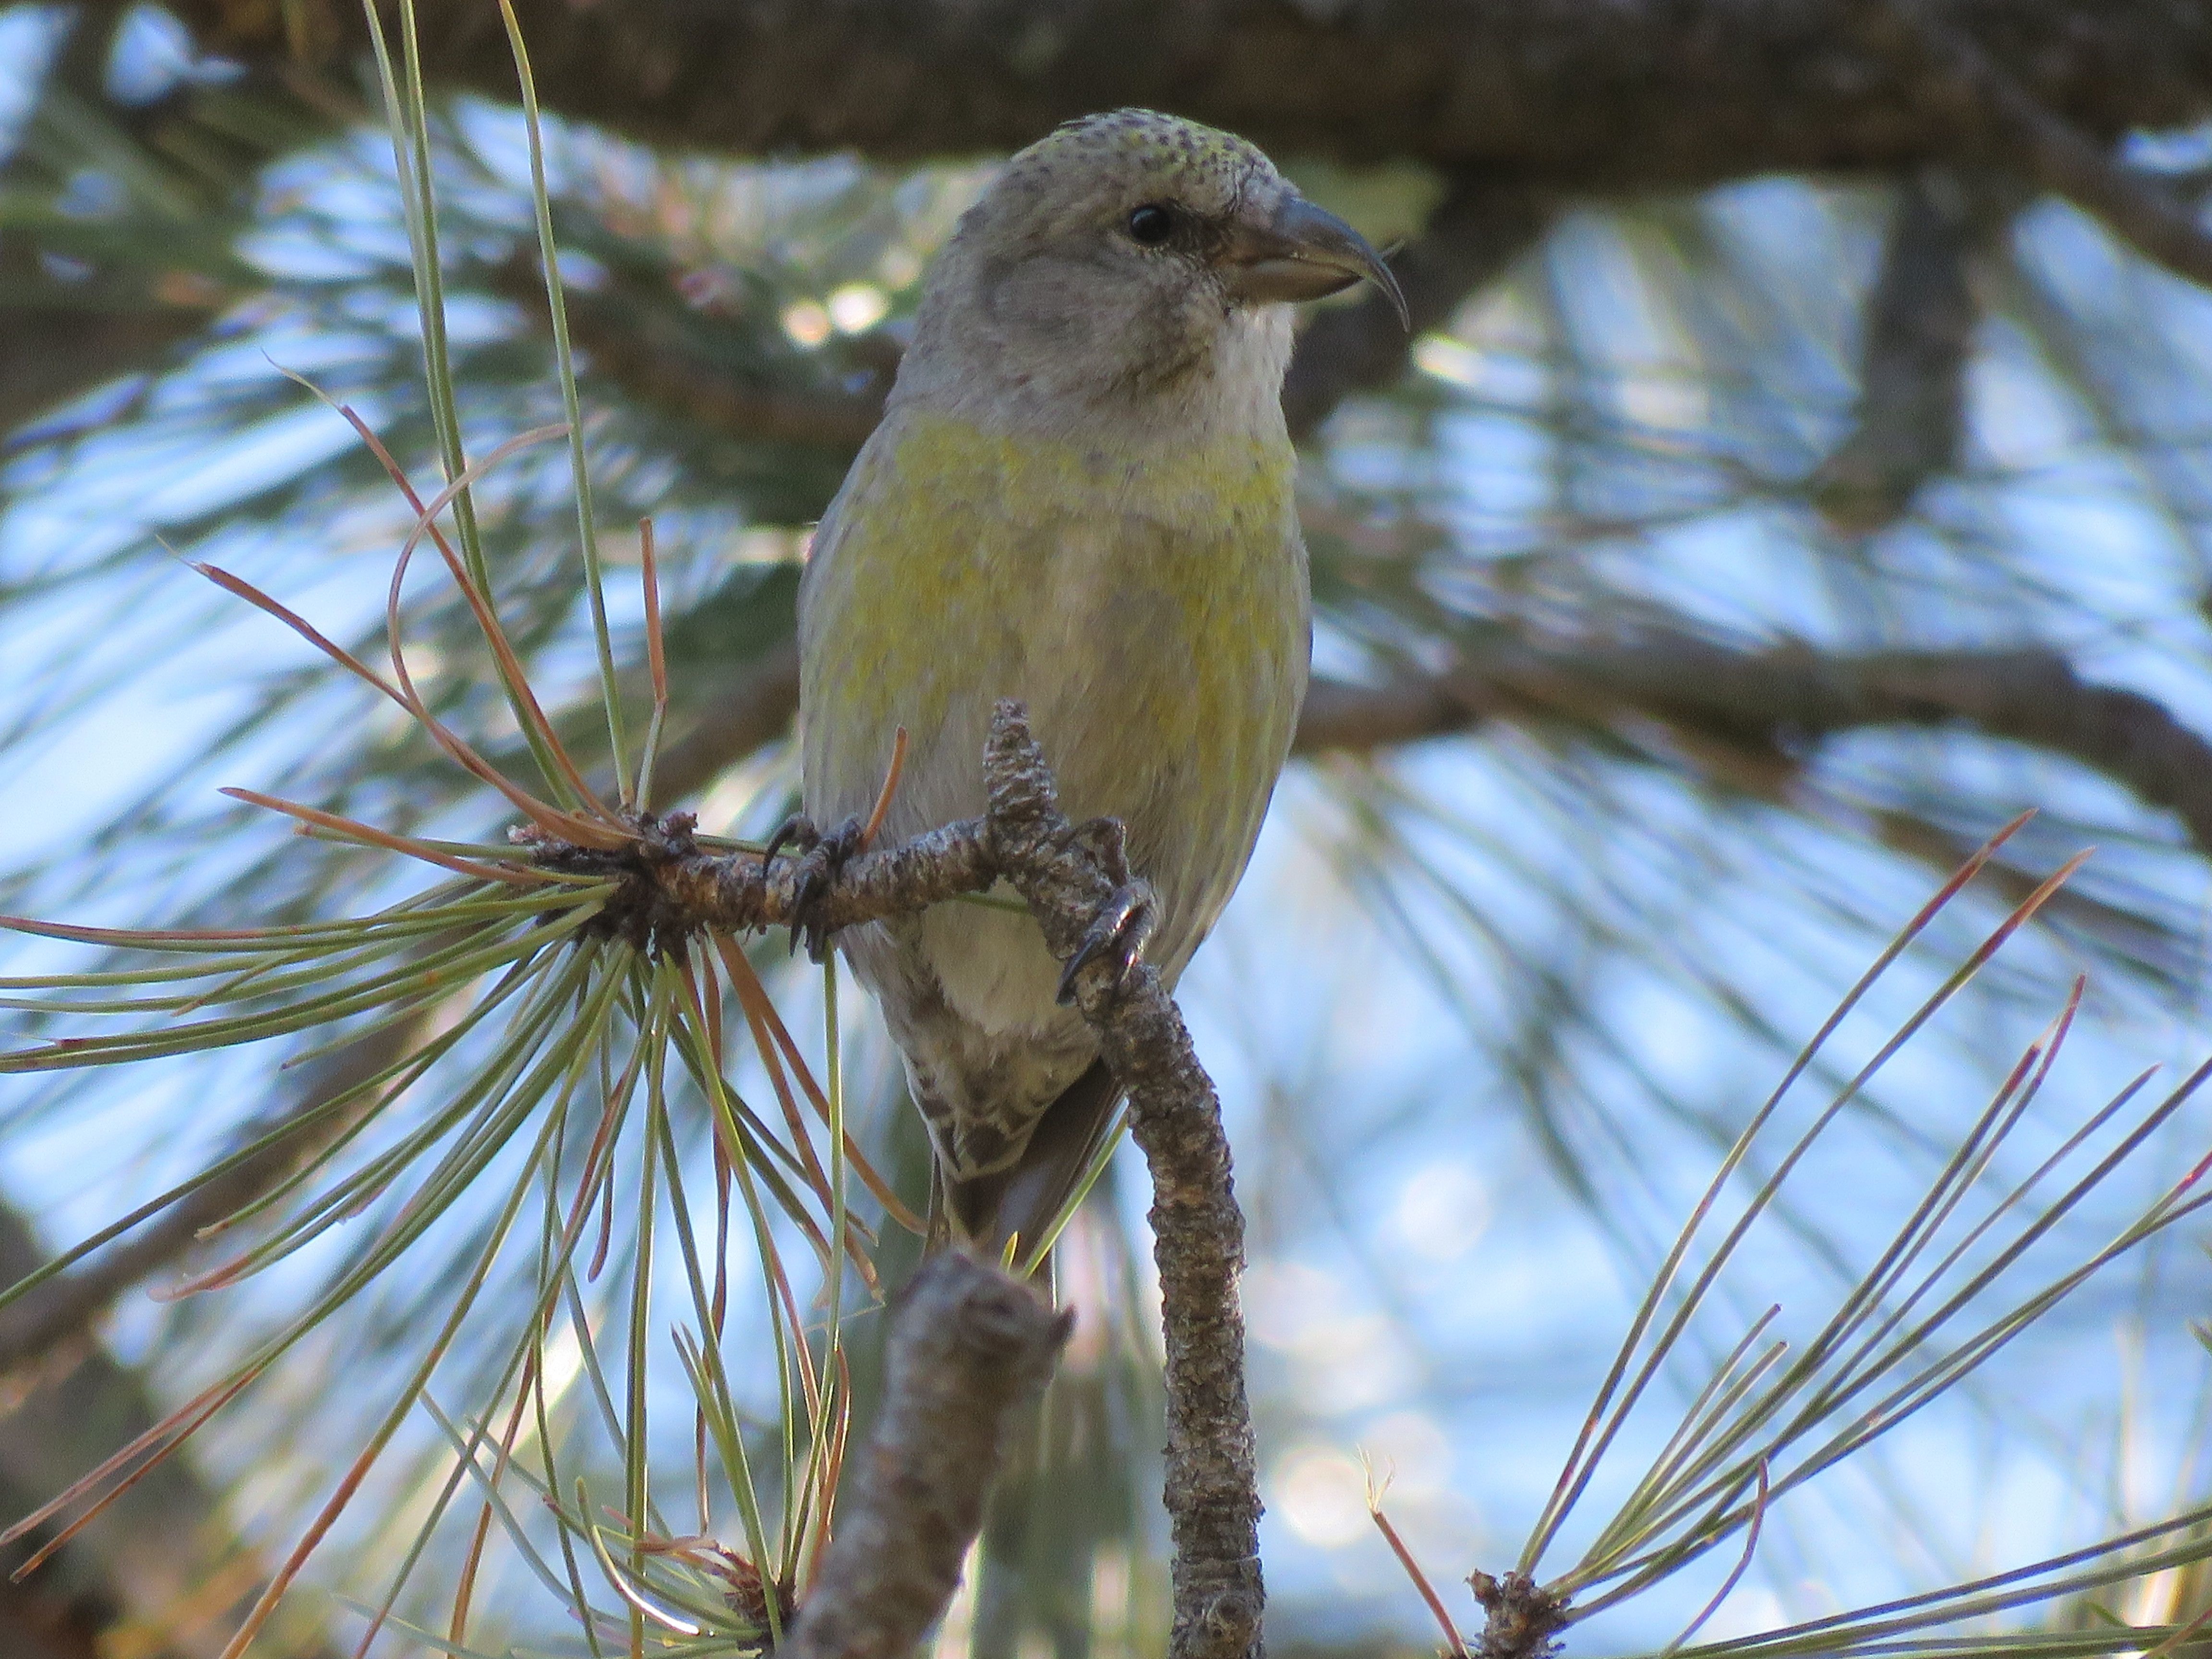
[(1792, 698), (672, 888), (1781, 702), (1785, 701)]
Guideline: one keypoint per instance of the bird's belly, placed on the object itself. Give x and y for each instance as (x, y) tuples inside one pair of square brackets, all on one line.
[(1163, 704)]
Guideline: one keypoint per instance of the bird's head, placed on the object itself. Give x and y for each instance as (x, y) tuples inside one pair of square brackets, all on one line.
[(1129, 255)]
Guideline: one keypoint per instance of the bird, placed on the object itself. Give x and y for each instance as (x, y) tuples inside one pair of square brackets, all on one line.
[(1081, 495)]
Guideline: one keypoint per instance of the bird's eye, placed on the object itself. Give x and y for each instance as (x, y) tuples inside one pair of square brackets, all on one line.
[(1151, 225)]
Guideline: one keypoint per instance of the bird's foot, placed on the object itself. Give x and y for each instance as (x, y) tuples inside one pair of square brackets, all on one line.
[(1123, 926), (823, 856), (1107, 840)]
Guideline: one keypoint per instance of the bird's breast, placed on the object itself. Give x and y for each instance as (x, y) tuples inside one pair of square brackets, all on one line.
[(1149, 607)]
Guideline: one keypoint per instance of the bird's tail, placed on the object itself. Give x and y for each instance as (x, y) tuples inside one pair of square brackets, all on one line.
[(1018, 1205)]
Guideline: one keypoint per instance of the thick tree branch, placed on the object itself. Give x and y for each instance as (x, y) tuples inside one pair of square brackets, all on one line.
[(1786, 698), (1920, 322), (1527, 93), (968, 1346), (1677, 92), (1557, 97)]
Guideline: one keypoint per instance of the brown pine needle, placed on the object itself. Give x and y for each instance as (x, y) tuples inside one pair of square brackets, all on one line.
[(753, 999), (566, 826), (833, 1470), (867, 1173), (125, 938), (545, 817), (457, 1630), (299, 624), (891, 783), (2179, 1636), (353, 829), (1454, 1645), (480, 605), (155, 1444)]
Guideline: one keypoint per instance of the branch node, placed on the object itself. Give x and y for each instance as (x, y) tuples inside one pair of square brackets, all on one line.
[(1524, 1617)]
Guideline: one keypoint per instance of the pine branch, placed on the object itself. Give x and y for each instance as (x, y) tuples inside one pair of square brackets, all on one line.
[(1919, 338), (1213, 1477), (1789, 699), (968, 1347), (666, 890)]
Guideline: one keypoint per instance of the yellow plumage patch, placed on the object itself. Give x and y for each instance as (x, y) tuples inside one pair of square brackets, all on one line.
[(1163, 599)]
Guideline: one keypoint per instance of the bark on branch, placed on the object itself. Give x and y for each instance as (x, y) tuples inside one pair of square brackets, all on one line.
[(1556, 96), (1634, 92), (1995, 111), (968, 1346), (971, 1338), (1919, 338)]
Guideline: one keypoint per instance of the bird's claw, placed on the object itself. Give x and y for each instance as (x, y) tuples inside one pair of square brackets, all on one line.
[(824, 855), (1122, 929), (1118, 934), (797, 830)]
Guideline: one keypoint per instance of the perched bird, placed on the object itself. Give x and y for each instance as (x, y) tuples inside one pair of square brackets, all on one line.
[(1080, 496)]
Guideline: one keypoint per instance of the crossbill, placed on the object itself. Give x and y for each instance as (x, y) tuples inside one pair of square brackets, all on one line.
[(1081, 495)]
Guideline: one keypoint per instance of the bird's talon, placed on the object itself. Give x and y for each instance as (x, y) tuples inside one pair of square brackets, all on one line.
[(826, 855), (1119, 934), (797, 830)]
